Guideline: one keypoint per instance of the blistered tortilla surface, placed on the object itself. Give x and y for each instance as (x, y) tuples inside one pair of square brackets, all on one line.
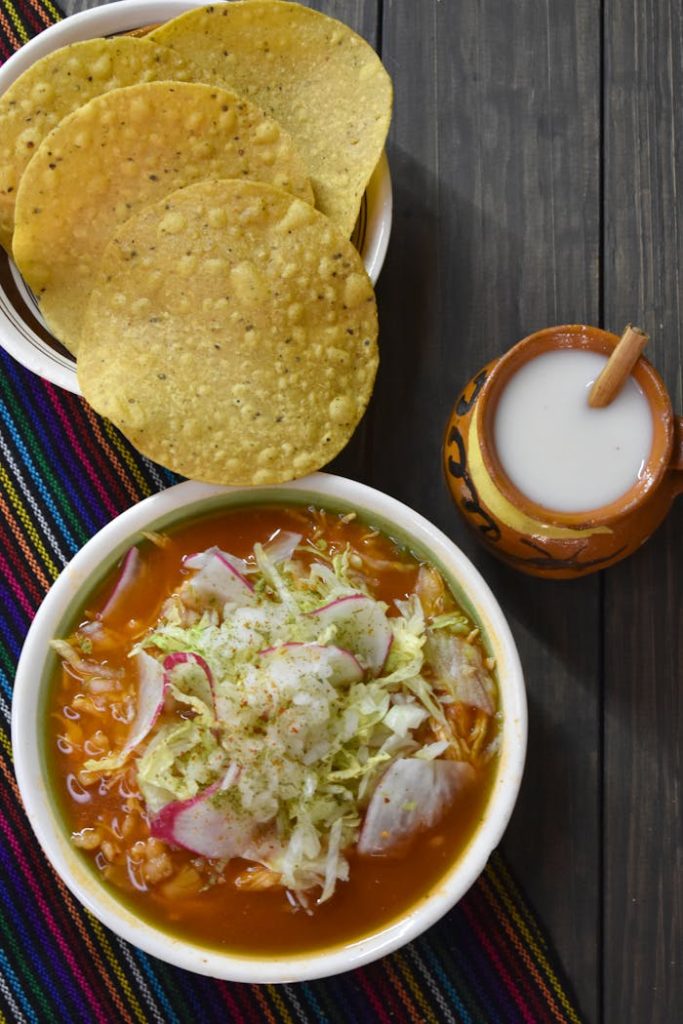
[(118, 153), (313, 74), (232, 334)]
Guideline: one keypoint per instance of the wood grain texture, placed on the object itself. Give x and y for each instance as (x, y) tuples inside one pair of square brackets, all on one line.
[(495, 162), (536, 156), (643, 838), (363, 16)]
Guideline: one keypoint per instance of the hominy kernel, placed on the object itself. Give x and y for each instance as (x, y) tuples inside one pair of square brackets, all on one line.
[(109, 850), (87, 838), (128, 826)]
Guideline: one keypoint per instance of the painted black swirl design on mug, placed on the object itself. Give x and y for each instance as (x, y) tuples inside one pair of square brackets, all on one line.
[(464, 403), (457, 467), (544, 559)]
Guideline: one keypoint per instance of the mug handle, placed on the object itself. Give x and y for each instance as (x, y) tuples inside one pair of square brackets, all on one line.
[(676, 464)]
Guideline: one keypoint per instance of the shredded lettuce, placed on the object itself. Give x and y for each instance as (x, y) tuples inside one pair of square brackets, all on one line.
[(293, 730), (181, 759), (454, 622)]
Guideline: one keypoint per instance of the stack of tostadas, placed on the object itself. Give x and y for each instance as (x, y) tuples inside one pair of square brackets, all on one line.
[(181, 205)]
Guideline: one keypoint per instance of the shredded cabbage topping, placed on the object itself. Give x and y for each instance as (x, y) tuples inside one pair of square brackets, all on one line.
[(316, 689)]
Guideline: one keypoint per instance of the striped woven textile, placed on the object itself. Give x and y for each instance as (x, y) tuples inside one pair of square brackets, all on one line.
[(64, 473)]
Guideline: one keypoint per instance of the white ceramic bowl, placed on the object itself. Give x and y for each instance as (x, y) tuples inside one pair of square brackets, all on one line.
[(98, 558), (23, 332)]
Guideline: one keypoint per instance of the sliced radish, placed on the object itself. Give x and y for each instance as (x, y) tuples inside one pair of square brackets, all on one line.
[(346, 667), (130, 570), (282, 546), (459, 666), (362, 626), (412, 796), (189, 657), (204, 824), (152, 685), (293, 660), (217, 582), (200, 558)]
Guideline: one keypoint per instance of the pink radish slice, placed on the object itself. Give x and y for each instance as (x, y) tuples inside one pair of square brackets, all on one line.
[(200, 558), (282, 546), (411, 796), (152, 687), (459, 666), (296, 659), (218, 581), (204, 825), (183, 658), (130, 570), (362, 627)]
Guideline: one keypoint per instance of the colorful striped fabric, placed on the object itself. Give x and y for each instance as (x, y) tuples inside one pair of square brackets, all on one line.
[(64, 473)]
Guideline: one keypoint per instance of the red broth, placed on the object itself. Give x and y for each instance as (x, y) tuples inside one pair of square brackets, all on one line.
[(109, 816)]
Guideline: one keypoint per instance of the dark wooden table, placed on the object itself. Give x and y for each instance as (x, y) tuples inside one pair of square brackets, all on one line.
[(537, 163)]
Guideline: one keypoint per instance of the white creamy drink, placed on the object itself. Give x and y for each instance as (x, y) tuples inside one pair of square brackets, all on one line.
[(555, 448)]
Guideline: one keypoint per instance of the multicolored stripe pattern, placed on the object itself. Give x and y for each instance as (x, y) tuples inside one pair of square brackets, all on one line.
[(64, 473)]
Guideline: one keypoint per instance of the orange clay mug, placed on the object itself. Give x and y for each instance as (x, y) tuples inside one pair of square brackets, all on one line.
[(527, 536)]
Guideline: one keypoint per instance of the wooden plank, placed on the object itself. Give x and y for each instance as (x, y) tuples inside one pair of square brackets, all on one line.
[(494, 155), (363, 16), (644, 606)]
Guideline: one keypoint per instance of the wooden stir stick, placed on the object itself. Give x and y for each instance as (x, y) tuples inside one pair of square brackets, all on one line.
[(619, 365)]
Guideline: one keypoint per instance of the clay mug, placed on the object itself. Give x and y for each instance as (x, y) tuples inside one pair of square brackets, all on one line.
[(538, 540)]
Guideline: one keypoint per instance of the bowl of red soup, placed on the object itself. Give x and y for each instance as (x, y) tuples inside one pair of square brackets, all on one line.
[(269, 734)]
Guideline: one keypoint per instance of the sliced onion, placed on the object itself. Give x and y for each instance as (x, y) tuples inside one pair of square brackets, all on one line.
[(459, 666), (412, 795), (282, 546)]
